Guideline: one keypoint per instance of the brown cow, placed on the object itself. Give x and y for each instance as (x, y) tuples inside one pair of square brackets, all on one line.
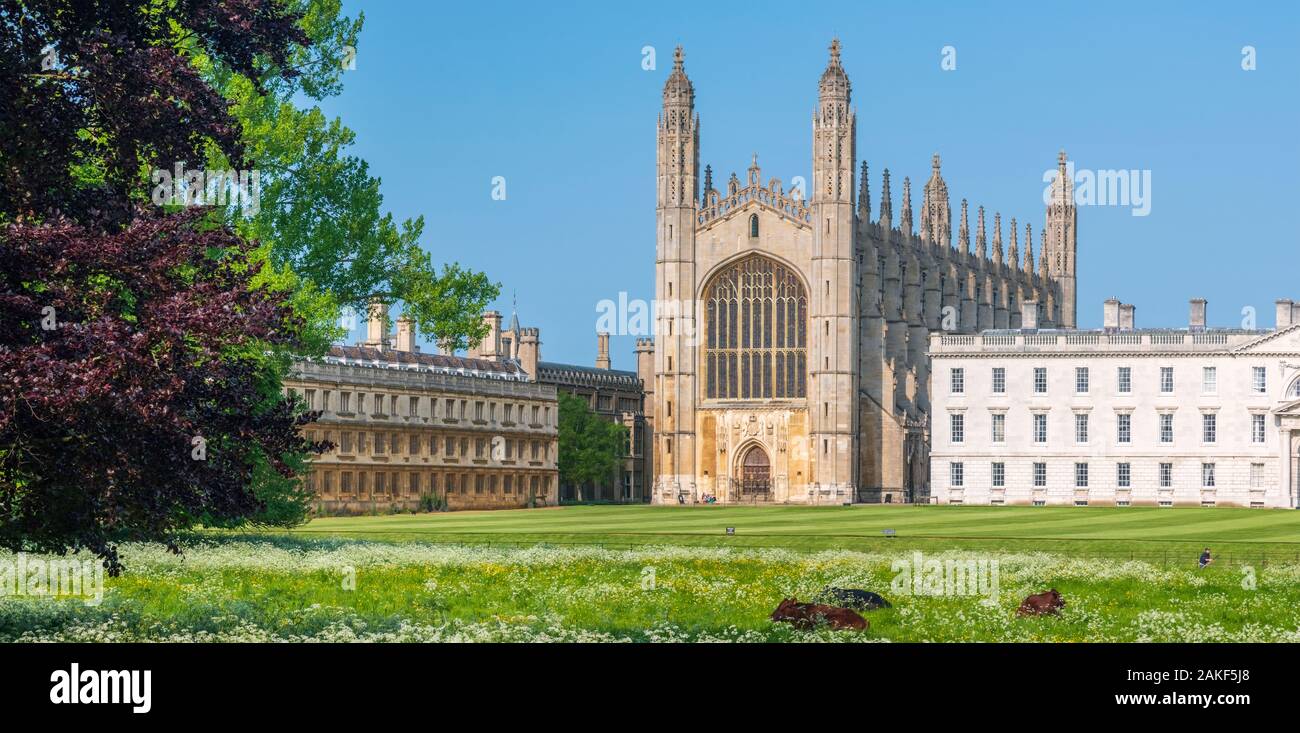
[(809, 615), (1041, 603)]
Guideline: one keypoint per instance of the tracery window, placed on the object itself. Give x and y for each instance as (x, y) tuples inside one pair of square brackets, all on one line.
[(756, 316)]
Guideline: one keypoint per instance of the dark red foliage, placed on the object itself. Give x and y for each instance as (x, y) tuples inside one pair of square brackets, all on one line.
[(98, 415), (160, 339), (120, 75)]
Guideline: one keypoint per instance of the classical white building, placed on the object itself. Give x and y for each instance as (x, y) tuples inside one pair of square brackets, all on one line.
[(1118, 416)]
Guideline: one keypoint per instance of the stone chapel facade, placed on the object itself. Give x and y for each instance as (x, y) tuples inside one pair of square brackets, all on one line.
[(791, 333)]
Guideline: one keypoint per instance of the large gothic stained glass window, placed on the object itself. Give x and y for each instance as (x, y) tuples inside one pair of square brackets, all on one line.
[(756, 316)]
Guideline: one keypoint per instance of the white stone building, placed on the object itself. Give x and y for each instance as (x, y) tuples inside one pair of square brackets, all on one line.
[(1119, 416)]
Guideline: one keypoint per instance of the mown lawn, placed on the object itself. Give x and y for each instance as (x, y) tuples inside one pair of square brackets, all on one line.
[(1160, 535)]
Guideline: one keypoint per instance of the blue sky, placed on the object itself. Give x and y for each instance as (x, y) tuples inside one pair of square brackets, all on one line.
[(553, 97)]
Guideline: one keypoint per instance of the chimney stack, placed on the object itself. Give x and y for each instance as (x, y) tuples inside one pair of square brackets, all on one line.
[(1196, 321), (1110, 315), (490, 346), (602, 350), (377, 326), (1029, 315), (1126, 317), (406, 335), (1285, 313)]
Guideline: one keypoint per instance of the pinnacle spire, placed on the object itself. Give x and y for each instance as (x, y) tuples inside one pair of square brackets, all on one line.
[(886, 207), (834, 82), (1029, 248), (1062, 187), (963, 230), (678, 88), (1043, 258), (981, 243), (997, 238), (1013, 253), (905, 218), (864, 195)]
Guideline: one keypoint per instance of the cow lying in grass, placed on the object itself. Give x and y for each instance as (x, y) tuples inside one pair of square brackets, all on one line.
[(810, 615), (858, 600), (1049, 602)]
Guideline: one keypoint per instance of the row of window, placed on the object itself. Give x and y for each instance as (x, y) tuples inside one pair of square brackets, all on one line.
[(1123, 380), (1123, 427), (382, 406), (363, 484), (363, 442), (605, 403), (1123, 475)]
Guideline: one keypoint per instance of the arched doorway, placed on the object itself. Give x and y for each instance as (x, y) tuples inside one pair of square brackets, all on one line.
[(755, 472)]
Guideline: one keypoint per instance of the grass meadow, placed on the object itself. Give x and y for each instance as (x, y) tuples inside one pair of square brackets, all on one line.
[(645, 574)]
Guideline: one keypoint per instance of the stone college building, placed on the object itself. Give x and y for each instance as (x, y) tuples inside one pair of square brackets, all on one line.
[(1121, 416), (807, 379)]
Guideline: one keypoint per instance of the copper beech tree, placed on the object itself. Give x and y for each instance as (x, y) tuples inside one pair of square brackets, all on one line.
[(138, 393)]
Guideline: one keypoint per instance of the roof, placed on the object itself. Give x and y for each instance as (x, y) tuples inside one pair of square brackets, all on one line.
[(394, 359), (550, 370)]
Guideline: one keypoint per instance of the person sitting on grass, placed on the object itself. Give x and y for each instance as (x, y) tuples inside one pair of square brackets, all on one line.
[(1205, 558)]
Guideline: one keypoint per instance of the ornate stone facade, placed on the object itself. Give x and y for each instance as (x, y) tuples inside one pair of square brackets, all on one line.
[(409, 427), (790, 334)]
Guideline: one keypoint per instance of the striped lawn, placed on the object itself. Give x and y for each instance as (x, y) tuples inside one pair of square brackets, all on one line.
[(823, 527)]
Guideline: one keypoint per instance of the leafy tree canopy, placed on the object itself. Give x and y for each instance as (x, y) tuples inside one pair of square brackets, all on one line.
[(591, 448)]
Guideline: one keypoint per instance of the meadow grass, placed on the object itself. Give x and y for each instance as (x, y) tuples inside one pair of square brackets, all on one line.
[(302, 589), (641, 573)]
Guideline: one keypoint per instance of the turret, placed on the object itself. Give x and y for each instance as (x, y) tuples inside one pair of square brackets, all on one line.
[(934, 207), (677, 161), (833, 315), (1061, 242), (530, 351)]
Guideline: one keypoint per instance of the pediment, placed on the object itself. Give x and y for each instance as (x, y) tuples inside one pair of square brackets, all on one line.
[(1291, 408), (1285, 341)]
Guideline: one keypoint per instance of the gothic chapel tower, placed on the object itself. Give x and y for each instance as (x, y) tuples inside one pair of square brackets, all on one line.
[(677, 166), (833, 342)]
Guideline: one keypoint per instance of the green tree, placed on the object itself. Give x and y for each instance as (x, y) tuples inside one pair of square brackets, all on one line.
[(591, 448), (325, 240), (320, 216)]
